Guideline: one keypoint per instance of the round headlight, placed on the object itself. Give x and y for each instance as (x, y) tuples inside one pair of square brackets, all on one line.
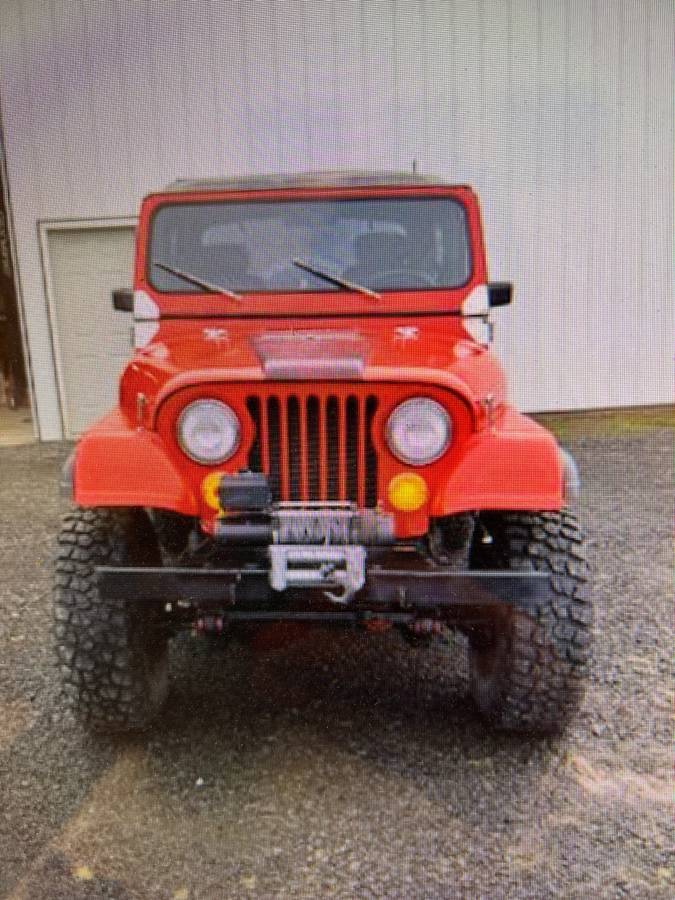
[(208, 431), (419, 431)]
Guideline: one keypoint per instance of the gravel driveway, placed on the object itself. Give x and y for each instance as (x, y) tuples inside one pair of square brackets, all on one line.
[(314, 763)]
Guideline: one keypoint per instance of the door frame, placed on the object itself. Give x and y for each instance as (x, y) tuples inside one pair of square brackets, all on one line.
[(45, 228)]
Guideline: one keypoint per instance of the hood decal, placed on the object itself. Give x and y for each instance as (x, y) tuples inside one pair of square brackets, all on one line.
[(305, 355)]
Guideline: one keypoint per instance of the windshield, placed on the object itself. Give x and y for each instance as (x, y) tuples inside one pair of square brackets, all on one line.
[(379, 244)]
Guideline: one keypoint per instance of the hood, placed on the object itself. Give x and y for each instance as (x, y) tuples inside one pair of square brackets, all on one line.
[(431, 350)]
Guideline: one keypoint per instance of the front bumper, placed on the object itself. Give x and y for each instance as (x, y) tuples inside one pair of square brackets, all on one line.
[(400, 594), (307, 559)]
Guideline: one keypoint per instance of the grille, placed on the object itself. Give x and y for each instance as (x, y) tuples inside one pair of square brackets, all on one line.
[(315, 447)]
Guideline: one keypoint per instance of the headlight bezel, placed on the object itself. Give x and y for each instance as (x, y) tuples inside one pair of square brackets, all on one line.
[(413, 403), (233, 420)]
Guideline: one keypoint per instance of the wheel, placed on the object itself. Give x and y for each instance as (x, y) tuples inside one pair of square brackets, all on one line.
[(527, 666), (113, 655)]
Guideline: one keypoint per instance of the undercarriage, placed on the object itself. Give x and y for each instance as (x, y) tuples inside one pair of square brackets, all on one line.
[(326, 563), (514, 583)]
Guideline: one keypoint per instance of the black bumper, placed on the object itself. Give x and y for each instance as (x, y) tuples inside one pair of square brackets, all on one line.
[(245, 593)]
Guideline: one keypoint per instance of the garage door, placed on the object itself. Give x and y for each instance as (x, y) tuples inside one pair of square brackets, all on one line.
[(92, 340)]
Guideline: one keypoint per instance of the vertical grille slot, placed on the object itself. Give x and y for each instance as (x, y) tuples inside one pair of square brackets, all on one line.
[(315, 447), (351, 449), (254, 454), (274, 446), (284, 451), (332, 428), (371, 454), (293, 448)]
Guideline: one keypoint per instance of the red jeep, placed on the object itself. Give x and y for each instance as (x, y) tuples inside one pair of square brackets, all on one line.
[(309, 431)]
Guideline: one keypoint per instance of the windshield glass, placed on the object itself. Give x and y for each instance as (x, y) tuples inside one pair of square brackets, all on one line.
[(380, 244)]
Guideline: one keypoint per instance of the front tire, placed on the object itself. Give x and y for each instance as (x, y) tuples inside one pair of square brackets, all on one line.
[(528, 665), (113, 655)]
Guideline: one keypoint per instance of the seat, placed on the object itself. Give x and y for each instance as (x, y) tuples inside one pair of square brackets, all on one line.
[(228, 265)]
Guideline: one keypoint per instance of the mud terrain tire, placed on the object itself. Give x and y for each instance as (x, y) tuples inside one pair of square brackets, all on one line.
[(113, 656), (527, 669)]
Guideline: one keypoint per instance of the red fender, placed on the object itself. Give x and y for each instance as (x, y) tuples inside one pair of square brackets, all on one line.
[(117, 465), (514, 465)]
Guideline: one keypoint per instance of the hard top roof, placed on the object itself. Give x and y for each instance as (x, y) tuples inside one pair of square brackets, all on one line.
[(324, 179)]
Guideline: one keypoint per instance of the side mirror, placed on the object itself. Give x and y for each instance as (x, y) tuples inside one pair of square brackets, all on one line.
[(123, 300), (500, 293)]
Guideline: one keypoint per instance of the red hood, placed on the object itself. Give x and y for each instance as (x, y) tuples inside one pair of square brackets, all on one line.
[(430, 350)]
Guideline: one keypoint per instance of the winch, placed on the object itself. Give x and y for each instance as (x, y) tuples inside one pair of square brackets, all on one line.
[(312, 545), (338, 522)]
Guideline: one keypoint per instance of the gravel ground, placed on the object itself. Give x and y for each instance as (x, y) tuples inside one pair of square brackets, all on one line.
[(321, 763)]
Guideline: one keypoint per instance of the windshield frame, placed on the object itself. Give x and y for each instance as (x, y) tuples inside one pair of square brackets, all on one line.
[(320, 303), (282, 290)]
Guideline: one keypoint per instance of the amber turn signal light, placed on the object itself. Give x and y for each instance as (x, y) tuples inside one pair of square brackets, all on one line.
[(407, 492), (210, 487)]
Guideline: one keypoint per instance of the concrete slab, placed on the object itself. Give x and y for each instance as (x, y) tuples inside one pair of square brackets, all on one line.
[(16, 427)]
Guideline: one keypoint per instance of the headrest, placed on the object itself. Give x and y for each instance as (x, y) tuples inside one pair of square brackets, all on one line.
[(231, 258), (379, 245)]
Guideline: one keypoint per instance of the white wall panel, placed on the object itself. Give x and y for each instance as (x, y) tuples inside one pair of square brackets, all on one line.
[(560, 114)]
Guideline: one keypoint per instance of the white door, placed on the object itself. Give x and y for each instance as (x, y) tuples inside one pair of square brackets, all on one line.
[(92, 341)]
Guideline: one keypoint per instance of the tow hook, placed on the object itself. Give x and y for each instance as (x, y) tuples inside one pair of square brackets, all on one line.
[(329, 567)]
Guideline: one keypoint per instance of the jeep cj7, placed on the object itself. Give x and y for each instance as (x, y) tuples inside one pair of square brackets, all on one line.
[(313, 428)]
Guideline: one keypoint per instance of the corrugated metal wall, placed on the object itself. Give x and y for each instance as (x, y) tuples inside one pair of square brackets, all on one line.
[(559, 113)]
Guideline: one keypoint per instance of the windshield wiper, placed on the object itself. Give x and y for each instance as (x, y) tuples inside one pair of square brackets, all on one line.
[(334, 279), (199, 282)]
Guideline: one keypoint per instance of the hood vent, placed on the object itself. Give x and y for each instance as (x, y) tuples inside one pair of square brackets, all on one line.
[(305, 355)]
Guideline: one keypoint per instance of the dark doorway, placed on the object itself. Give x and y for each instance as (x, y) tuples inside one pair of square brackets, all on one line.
[(13, 386)]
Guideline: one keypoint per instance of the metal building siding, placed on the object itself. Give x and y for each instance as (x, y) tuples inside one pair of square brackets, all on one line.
[(560, 114)]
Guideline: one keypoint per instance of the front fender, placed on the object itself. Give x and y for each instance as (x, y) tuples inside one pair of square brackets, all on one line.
[(514, 465), (117, 465)]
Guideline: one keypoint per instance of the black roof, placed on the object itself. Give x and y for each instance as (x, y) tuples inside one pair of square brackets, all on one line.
[(325, 179)]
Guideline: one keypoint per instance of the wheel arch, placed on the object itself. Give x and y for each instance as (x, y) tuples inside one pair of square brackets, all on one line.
[(115, 465), (514, 464)]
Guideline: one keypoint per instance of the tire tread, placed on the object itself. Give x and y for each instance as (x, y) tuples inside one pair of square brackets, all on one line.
[(105, 648), (546, 653)]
